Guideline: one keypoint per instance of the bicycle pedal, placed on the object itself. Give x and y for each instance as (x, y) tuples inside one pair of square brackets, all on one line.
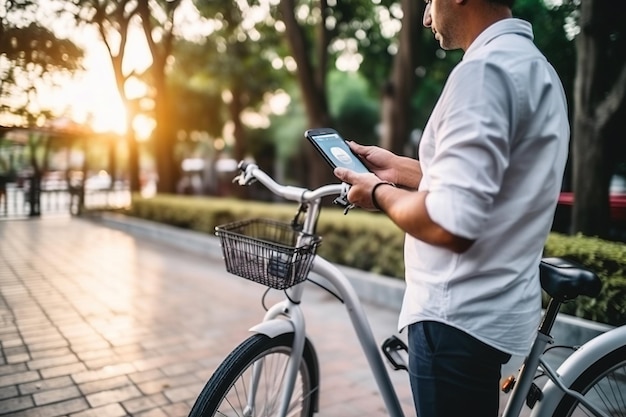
[(534, 395), (396, 352)]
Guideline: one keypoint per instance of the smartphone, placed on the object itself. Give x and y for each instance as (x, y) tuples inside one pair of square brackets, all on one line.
[(334, 149)]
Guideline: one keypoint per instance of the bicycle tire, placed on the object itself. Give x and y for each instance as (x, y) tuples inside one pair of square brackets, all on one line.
[(225, 394), (603, 383)]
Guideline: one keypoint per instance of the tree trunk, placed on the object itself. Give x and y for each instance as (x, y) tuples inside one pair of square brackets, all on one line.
[(161, 43), (396, 95), (133, 161), (600, 101), (164, 141), (312, 81), (236, 107), (590, 214), (132, 110), (164, 138)]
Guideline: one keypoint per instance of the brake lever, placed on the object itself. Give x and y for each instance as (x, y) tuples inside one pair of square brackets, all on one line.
[(243, 179), (342, 200)]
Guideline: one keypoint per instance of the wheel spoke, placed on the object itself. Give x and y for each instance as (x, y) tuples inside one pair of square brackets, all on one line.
[(228, 391), (607, 392)]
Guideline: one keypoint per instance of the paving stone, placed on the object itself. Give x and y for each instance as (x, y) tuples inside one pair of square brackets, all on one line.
[(146, 402), (12, 368), (107, 372), (155, 412), (53, 361), (62, 370), (45, 384), (110, 410), (8, 392), (56, 395), (15, 404), (113, 395), (18, 378), (104, 384), (62, 351), (63, 408)]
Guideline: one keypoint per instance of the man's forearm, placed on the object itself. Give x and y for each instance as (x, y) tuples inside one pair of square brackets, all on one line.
[(407, 209), (409, 172)]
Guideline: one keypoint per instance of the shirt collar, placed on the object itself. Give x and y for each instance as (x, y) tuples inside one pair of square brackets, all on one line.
[(501, 27)]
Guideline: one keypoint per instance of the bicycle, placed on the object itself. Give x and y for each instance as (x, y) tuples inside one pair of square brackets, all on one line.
[(275, 371)]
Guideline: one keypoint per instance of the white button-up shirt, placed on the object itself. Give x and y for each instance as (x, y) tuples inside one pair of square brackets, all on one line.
[(493, 155)]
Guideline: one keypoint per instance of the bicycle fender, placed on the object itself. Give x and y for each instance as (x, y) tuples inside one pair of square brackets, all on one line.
[(273, 328), (575, 365)]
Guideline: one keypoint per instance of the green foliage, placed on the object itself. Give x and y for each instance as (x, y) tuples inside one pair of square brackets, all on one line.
[(362, 240), (31, 57), (286, 130), (355, 112), (203, 214), (371, 242), (550, 28)]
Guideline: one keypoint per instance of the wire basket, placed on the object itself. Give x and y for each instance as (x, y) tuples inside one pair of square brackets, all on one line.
[(268, 252)]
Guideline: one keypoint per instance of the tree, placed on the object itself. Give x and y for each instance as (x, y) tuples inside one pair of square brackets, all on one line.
[(320, 36), (599, 111), (312, 61), (157, 19), (113, 19), (243, 43), (400, 88), (31, 58), (398, 91)]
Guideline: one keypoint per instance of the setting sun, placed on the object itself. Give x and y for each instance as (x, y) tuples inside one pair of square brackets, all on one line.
[(93, 97)]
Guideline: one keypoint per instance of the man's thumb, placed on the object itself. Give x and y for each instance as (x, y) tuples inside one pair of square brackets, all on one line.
[(342, 173)]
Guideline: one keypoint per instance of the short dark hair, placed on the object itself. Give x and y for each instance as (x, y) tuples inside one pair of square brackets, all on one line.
[(508, 3)]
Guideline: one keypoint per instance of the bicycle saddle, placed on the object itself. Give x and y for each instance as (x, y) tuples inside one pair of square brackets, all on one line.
[(564, 280)]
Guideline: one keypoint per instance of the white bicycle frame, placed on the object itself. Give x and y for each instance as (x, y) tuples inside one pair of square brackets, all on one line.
[(555, 388), (287, 317)]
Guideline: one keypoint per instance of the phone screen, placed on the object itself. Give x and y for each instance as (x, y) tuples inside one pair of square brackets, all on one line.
[(337, 152)]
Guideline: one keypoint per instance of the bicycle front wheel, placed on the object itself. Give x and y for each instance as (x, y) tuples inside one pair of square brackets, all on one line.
[(227, 393), (603, 384)]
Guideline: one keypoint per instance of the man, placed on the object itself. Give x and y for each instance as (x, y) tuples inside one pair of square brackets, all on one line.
[(476, 208)]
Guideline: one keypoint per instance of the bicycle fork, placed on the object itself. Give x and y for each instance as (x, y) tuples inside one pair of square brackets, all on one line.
[(296, 319)]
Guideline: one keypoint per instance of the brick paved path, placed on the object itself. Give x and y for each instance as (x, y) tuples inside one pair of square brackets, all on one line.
[(96, 322)]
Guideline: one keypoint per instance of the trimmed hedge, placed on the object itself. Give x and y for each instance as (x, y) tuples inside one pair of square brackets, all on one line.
[(371, 242)]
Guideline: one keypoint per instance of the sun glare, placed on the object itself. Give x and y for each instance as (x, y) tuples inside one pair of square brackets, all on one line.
[(94, 99)]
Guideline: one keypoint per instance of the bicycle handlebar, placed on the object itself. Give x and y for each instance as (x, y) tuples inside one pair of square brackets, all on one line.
[(250, 172)]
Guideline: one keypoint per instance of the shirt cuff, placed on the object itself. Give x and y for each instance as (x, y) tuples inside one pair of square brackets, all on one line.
[(458, 212)]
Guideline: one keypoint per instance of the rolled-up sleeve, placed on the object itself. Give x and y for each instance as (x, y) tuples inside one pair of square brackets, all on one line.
[(472, 147)]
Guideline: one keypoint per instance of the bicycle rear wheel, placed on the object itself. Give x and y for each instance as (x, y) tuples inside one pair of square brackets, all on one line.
[(603, 384), (227, 391)]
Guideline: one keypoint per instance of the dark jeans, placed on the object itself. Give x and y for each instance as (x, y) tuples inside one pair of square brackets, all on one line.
[(452, 373)]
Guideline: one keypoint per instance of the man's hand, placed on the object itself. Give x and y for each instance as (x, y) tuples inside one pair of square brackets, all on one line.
[(400, 170), (378, 160), (360, 193)]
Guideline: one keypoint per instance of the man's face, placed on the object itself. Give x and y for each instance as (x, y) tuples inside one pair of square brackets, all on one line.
[(442, 18)]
